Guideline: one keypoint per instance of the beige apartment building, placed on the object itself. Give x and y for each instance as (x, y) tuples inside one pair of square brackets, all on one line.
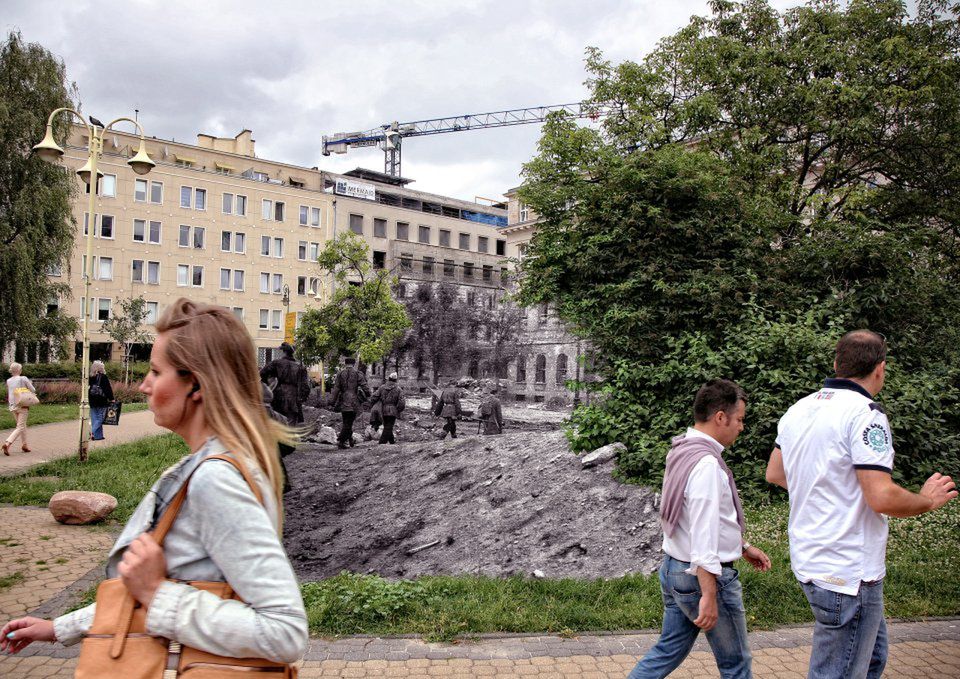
[(215, 223)]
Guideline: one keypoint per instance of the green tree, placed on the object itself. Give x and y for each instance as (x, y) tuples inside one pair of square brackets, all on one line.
[(36, 224), (362, 319), (758, 170), (126, 328), (441, 336)]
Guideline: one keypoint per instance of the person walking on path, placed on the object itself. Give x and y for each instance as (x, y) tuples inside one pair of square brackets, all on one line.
[(491, 413), (390, 398), (16, 385), (101, 394), (703, 525), (203, 385), (834, 455), (449, 407), (349, 393), (293, 385)]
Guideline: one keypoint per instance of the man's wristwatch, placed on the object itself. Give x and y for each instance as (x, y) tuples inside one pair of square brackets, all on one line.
[(746, 546)]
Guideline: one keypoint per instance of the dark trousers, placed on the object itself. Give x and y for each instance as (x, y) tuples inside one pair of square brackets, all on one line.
[(346, 431), (451, 426), (387, 435)]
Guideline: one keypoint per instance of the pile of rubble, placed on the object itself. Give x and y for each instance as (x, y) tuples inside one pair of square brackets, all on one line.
[(517, 503)]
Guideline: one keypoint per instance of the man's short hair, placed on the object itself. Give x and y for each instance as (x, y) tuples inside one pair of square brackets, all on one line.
[(349, 360), (859, 352), (717, 395)]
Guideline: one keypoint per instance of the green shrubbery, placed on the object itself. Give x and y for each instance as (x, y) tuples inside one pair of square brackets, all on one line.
[(72, 370)]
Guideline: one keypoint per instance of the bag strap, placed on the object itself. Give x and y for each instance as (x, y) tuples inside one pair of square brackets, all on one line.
[(125, 618)]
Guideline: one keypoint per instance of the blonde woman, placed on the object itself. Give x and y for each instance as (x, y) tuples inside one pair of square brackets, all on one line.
[(20, 414), (203, 385)]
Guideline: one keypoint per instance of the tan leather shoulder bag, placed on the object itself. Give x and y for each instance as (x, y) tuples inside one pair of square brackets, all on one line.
[(118, 645)]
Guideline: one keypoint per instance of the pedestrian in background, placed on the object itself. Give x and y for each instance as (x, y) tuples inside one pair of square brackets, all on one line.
[(390, 398), (17, 387), (349, 393), (101, 394), (491, 412), (450, 409), (293, 385)]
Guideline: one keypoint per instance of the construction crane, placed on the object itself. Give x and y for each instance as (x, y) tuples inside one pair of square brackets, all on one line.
[(390, 136)]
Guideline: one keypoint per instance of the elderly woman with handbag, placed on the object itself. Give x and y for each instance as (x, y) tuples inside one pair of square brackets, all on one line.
[(21, 394), (101, 393), (199, 583)]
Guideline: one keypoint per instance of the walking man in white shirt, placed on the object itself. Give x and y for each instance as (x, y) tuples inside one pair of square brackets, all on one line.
[(702, 537), (834, 455)]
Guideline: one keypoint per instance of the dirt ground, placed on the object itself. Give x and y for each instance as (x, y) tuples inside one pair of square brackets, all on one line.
[(499, 505)]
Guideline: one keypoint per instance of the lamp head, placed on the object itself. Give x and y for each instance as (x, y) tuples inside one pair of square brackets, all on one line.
[(141, 162), (48, 149), (84, 173)]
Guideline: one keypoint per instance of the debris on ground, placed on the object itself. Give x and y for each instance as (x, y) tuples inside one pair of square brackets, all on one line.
[(519, 503)]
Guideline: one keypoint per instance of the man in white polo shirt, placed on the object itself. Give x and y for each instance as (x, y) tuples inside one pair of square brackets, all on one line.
[(834, 455), (702, 538)]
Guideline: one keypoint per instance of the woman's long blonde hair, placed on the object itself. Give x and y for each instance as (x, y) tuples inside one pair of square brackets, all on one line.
[(211, 345)]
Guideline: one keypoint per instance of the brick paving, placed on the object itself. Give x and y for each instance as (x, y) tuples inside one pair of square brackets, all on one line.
[(53, 441)]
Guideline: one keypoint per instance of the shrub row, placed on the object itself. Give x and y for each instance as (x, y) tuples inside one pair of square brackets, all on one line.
[(69, 392), (72, 370)]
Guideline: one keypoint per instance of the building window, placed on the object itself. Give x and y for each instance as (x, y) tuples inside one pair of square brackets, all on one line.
[(238, 312), (278, 248), (106, 226), (314, 216), (468, 269), (200, 199), (264, 318), (152, 269), (55, 270), (228, 203), (108, 186), (105, 269), (241, 207), (226, 278), (304, 215), (543, 313), (561, 370), (156, 192), (314, 285), (406, 262), (379, 259), (277, 319), (522, 369), (153, 273), (226, 241), (239, 242), (136, 275), (197, 281), (428, 265), (142, 234), (265, 242), (540, 377), (140, 190), (278, 283), (464, 241), (449, 267), (199, 235), (153, 310), (266, 211), (302, 251), (183, 274), (501, 247), (301, 285), (445, 238), (524, 212), (356, 224), (264, 283), (379, 228), (314, 251), (487, 272), (424, 234), (278, 211), (186, 196), (403, 231), (483, 244), (103, 309)]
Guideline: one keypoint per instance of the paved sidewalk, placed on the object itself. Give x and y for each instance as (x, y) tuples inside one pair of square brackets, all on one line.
[(53, 441)]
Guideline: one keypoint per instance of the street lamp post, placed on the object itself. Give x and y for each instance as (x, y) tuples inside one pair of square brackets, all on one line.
[(49, 150)]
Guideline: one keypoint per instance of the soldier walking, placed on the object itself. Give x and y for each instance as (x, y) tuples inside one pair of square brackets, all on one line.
[(390, 398), (349, 392), (491, 413), (450, 409)]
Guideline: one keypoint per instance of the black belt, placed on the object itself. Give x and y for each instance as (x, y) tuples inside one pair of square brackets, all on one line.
[(727, 564)]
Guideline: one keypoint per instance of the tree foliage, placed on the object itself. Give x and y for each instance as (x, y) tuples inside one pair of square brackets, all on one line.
[(36, 225), (362, 318), (126, 328), (762, 181)]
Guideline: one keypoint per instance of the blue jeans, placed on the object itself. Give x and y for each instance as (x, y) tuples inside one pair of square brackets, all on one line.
[(96, 422), (681, 606), (850, 634)]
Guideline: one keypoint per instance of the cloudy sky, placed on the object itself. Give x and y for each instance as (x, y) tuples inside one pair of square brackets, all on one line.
[(294, 71)]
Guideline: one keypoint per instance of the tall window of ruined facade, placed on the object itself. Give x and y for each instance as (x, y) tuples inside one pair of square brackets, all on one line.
[(522, 369), (540, 377), (561, 369)]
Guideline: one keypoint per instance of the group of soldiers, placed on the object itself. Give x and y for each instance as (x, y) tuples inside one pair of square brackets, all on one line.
[(286, 388)]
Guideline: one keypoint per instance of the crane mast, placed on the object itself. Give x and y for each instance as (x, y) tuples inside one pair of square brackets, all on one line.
[(389, 137)]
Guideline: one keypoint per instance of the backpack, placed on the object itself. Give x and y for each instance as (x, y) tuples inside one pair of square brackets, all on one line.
[(486, 409)]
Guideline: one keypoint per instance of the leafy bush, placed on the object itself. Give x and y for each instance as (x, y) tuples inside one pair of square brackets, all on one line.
[(69, 392), (72, 370), (777, 361), (352, 602)]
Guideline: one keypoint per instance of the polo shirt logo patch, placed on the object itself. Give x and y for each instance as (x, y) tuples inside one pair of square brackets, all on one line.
[(876, 437)]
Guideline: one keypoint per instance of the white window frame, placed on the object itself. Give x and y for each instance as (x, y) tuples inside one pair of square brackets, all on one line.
[(152, 185), (153, 313), (266, 210), (302, 250), (146, 190), (103, 183), (184, 281), (278, 248), (223, 203), (264, 283), (264, 319), (304, 215), (100, 301), (276, 316), (240, 237), (315, 216), (197, 192), (149, 263), (236, 205), (150, 223), (193, 273), (133, 270), (99, 227), (189, 196), (229, 239)]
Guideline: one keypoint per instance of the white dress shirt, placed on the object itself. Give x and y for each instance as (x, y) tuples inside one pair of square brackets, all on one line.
[(708, 532)]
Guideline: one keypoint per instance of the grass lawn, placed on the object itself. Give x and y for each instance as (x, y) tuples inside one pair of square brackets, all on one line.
[(923, 569), (45, 413)]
